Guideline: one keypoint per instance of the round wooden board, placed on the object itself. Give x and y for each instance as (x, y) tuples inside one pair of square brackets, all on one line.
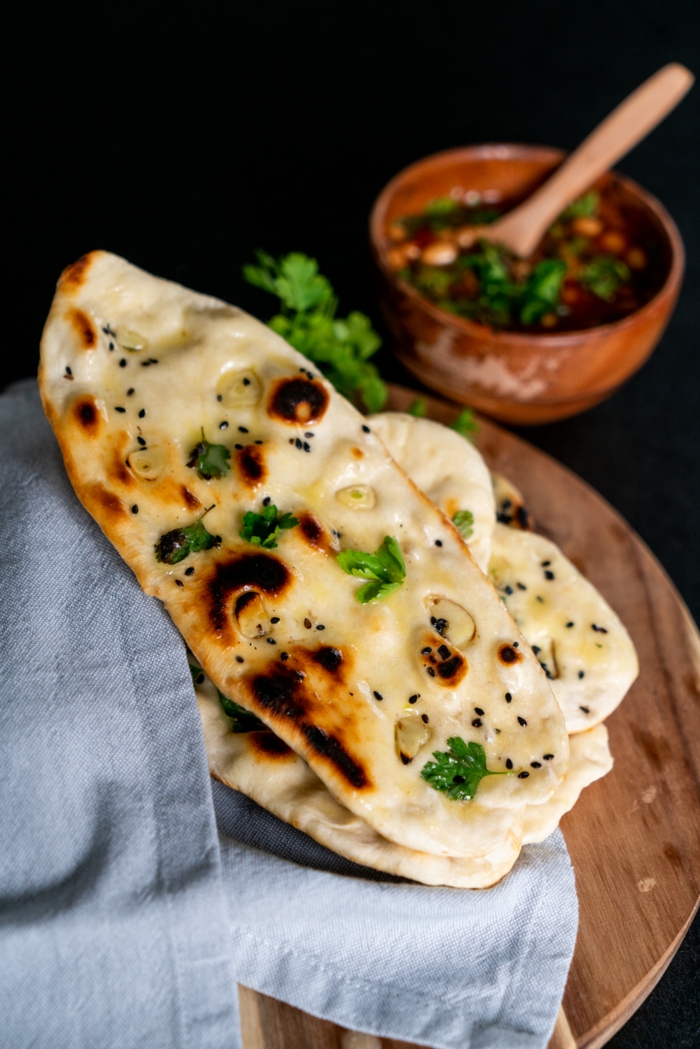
[(634, 836)]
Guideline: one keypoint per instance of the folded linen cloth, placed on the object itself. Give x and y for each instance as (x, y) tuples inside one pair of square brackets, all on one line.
[(124, 920)]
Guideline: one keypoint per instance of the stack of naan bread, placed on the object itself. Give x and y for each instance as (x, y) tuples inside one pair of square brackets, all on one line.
[(492, 638)]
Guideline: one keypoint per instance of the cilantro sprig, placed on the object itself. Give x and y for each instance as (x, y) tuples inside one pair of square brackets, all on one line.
[(465, 424), (603, 275), (385, 569), (241, 719), (263, 529), (175, 546), (418, 408), (210, 460), (463, 521), (340, 347), (459, 771)]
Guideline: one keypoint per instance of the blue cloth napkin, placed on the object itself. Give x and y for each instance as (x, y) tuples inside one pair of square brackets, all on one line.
[(126, 917)]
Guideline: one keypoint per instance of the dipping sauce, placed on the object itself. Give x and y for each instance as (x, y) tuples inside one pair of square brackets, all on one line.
[(600, 261)]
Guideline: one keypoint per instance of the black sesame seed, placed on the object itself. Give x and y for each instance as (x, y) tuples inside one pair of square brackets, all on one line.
[(540, 599), (515, 644), (415, 698), (259, 442), (479, 711), (586, 710), (141, 441), (508, 697), (580, 673), (284, 656), (307, 624), (521, 586), (152, 360), (275, 619), (142, 413), (134, 509), (246, 382), (271, 641), (111, 345), (545, 564), (223, 425), (298, 443), (366, 429), (219, 397), (145, 364), (266, 500), (509, 589), (536, 649), (120, 410), (320, 626), (239, 659), (424, 718), (509, 763), (476, 722), (444, 652), (68, 371), (535, 765), (549, 575), (238, 447), (569, 624), (431, 671), (130, 391), (122, 363), (523, 775), (189, 571), (438, 542), (378, 695), (291, 440), (307, 446), (179, 582), (426, 651), (548, 757), (309, 434), (243, 429), (522, 721)]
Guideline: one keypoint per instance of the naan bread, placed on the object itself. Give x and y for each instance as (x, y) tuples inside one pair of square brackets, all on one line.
[(132, 364), (580, 642), (261, 766), (447, 468), (510, 505)]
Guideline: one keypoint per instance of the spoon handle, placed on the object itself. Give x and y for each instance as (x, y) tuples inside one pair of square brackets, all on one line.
[(627, 125)]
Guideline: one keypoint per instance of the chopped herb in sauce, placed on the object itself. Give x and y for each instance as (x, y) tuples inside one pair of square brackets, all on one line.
[(385, 569), (465, 424), (263, 529), (241, 719), (463, 521), (418, 408), (175, 546), (459, 771), (210, 460)]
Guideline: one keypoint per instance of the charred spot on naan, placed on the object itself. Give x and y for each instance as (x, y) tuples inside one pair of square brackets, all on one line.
[(74, 276), (117, 470), (298, 401), (268, 745), (86, 413), (103, 504), (250, 464), (261, 573), (509, 655), (191, 501), (83, 327), (313, 532), (442, 662)]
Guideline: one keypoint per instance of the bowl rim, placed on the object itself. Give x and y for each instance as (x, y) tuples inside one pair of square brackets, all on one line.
[(511, 151)]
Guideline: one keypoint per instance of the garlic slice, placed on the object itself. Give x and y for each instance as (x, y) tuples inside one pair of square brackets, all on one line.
[(411, 733), (131, 340), (357, 497), (253, 620), (239, 389), (451, 621), (148, 463)]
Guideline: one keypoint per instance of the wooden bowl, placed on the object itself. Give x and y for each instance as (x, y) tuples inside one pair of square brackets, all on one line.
[(514, 376)]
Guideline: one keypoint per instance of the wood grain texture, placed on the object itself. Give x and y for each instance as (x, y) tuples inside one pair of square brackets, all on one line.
[(634, 836)]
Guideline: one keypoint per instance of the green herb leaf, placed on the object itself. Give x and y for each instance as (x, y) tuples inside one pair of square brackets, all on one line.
[(210, 460), (385, 569), (418, 408), (341, 348), (463, 521), (175, 546), (603, 275), (263, 529), (465, 424), (242, 719), (584, 207), (542, 290), (459, 771)]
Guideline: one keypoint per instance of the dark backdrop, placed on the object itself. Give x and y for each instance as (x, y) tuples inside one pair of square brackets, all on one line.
[(183, 137)]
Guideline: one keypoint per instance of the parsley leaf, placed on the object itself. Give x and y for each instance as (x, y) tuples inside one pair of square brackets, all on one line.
[(542, 290), (242, 719), (340, 347), (418, 408), (459, 771), (385, 569), (175, 546), (463, 521), (465, 424), (603, 275), (584, 207), (263, 529), (210, 460)]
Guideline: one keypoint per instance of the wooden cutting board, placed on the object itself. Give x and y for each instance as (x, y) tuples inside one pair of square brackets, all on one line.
[(634, 836)]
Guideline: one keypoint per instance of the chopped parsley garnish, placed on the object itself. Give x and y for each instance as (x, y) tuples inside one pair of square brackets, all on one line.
[(263, 529), (459, 771), (210, 460), (465, 424), (242, 719), (175, 546), (418, 408), (463, 521), (603, 275), (340, 348), (585, 207), (385, 569)]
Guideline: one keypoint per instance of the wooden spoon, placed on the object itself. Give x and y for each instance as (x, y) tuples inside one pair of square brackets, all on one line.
[(522, 229)]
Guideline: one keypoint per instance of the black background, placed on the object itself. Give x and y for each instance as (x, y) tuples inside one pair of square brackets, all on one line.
[(183, 137)]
